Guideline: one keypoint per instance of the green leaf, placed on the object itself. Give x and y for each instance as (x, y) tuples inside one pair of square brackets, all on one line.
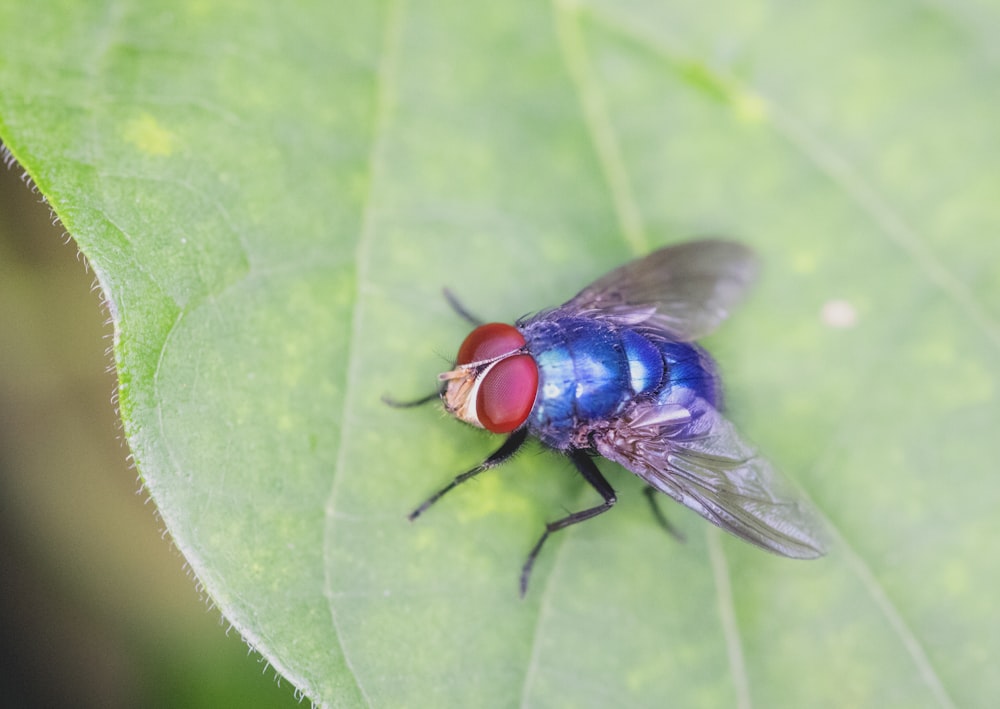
[(272, 199)]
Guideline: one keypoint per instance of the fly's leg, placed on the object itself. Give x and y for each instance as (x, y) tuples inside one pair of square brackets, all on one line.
[(460, 309), (650, 492), (465, 315), (500, 456), (588, 469), (397, 404)]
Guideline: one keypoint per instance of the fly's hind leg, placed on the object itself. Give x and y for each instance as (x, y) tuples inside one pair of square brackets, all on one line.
[(650, 492), (588, 469)]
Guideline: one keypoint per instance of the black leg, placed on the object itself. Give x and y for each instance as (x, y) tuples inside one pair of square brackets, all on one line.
[(588, 469), (462, 313), (396, 404), (500, 456), (661, 518), (460, 309)]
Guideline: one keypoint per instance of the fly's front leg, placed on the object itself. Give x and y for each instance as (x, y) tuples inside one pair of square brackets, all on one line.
[(397, 404), (588, 469), (457, 306), (500, 456)]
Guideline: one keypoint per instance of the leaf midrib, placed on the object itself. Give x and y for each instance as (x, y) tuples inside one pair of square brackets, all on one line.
[(385, 89)]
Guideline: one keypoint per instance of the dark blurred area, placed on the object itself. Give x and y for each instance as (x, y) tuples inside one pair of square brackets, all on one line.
[(96, 607)]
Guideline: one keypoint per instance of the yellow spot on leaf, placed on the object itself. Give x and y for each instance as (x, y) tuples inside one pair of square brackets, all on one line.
[(749, 106), (804, 262), (146, 133)]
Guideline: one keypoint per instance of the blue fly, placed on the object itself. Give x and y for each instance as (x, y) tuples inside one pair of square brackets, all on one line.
[(615, 372)]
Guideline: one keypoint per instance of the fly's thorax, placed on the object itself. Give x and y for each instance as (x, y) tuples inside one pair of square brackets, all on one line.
[(584, 376), (592, 371)]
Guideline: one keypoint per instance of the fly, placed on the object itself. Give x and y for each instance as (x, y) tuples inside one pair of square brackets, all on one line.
[(615, 372)]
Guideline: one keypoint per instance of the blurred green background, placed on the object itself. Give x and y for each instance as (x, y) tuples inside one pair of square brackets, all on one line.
[(97, 607)]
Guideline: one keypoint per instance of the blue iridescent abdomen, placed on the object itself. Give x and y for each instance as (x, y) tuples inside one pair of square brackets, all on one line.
[(590, 370)]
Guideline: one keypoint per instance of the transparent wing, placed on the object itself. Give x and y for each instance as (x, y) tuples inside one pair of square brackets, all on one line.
[(684, 290), (689, 451)]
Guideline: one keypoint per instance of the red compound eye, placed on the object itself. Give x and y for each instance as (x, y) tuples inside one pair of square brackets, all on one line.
[(507, 390), (489, 341), (507, 393)]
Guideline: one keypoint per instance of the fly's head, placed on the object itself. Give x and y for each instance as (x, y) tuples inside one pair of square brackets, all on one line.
[(495, 379)]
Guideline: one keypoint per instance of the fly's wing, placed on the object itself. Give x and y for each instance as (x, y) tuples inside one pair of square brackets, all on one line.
[(684, 290), (689, 451)]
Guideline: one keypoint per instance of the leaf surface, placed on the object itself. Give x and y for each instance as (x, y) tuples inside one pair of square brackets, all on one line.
[(273, 197)]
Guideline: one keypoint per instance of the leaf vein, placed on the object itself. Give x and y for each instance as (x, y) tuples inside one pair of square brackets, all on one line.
[(629, 217), (898, 232), (890, 223), (727, 615), (385, 89), (906, 636), (599, 126), (837, 169)]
